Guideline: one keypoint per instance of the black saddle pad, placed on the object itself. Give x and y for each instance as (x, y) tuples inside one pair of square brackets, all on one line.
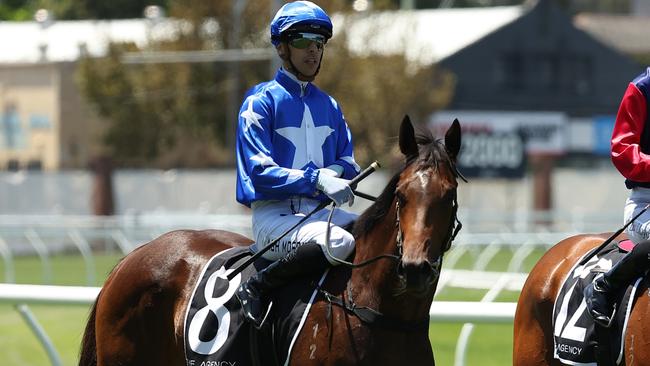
[(216, 332), (575, 336)]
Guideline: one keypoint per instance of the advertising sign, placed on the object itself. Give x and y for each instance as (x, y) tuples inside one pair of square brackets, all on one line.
[(492, 154), (496, 144)]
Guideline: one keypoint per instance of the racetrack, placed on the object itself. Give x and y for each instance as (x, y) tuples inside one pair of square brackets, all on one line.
[(489, 344)]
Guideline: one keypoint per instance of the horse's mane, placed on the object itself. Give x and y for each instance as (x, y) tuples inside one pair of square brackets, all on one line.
[(431, 152)]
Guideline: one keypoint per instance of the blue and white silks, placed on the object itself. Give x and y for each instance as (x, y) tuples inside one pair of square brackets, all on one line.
[(287, 130)]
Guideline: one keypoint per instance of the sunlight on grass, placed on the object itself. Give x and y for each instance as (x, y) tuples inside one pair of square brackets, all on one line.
[(490, 344)]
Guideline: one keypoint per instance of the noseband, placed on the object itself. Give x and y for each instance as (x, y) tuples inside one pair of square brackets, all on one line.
[(452, 231)]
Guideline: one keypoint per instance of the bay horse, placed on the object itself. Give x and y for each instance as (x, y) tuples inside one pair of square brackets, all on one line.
[(533, 330), (137, 318)]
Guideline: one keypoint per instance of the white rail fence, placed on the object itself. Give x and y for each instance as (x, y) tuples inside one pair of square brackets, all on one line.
[(45, 236), (441, 311)]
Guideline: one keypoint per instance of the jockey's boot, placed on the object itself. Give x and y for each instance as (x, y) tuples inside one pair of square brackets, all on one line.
[(600, 295), (254, 294)]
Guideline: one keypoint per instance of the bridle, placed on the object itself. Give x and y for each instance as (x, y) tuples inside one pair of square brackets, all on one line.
[(452, 231), (369, 315)]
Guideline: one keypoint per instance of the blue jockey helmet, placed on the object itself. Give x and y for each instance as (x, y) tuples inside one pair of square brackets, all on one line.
[(300, 17)]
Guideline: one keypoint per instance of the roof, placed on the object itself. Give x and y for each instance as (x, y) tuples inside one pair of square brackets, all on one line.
[(65, 40), (623, 32), (426, 36)]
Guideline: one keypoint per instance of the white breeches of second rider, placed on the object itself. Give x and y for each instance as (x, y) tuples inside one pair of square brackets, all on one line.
[(639, 230)]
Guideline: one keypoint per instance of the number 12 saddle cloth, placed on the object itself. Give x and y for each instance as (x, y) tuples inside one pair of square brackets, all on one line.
[(575, 335)]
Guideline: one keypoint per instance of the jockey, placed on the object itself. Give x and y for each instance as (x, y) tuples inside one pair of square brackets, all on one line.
[(294, 150), (630, 155)]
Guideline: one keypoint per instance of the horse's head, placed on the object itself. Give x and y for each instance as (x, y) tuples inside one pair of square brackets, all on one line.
[(425, 205)]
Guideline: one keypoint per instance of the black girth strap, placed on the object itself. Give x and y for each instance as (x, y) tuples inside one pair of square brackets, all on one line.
[(373, 317)]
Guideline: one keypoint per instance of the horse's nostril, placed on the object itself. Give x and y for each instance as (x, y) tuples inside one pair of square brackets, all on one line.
[(427, 270)]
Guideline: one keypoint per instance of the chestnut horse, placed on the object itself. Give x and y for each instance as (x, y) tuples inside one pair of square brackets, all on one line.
[(138, 316), (533, 331)]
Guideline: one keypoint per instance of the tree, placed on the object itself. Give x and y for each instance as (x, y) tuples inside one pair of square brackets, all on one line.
[(76, 9), (173, 115), (376, 92)]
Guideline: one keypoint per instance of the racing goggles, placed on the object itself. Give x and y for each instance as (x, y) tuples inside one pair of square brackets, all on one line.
[(304, 40)]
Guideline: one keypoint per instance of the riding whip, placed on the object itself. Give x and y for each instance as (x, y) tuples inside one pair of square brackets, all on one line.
[(609, 240), (353, 183)]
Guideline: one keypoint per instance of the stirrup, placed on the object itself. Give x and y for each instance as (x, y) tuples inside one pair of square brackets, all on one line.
[(266, 315), (604, 320), (254, 321), (247, 315)]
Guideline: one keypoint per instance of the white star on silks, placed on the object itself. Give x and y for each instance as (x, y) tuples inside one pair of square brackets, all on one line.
[(308, 140), (250, 116)]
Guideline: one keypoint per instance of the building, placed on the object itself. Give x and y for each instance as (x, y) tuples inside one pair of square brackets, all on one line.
[(625, 33), (541, 61), (45, 122), (530, 86), (529, 58)]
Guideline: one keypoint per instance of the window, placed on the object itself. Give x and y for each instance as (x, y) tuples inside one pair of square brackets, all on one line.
[(34, 165), (13, 165), (510, 74)]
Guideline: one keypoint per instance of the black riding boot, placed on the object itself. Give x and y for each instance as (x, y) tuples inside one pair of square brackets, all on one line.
[(600, 294), (253, 294)]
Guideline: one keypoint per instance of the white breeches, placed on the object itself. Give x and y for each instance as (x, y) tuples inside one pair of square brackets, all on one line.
[(639, 230), (272, 218)]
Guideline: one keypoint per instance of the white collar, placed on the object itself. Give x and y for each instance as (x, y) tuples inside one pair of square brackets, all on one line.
[(303, 84)]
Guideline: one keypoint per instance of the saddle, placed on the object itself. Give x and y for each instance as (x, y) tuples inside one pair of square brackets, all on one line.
[(216, 332), (577, 339)]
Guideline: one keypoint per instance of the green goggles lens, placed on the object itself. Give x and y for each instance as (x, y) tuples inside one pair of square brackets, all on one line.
[(302, 43)]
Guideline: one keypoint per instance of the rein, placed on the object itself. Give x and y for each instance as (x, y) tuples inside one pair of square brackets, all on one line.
[(371, 316), (452, 232)]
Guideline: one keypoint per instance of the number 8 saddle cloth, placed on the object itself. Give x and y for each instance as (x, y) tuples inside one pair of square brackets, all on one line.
[(216, 333), (577, 340)]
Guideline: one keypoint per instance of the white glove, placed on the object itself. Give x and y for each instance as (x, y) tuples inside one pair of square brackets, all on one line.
[(335, 188)]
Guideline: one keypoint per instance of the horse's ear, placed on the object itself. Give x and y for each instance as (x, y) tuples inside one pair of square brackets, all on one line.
[(452, 139), (407, 143)]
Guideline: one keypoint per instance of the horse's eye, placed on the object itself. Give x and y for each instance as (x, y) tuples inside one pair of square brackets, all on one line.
[(449, 196)]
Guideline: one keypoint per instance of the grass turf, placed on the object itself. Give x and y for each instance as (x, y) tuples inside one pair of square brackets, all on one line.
[(490, 344)]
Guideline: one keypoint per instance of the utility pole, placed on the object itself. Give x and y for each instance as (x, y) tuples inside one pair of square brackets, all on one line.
[(275, 61), (407, 4), (234, 71)]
